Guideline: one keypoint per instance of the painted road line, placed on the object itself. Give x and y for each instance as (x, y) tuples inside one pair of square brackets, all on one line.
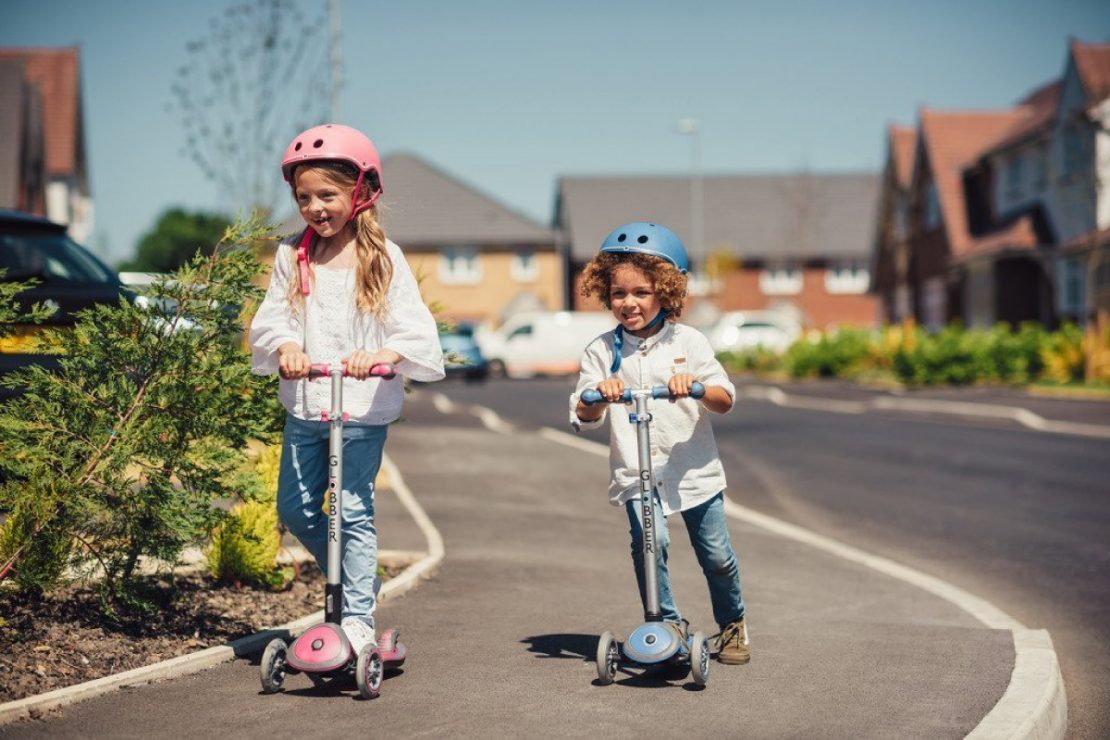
[(194, 662), (1022, 416)]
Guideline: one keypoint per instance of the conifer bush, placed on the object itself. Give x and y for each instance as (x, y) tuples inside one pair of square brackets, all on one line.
[(118, 456)]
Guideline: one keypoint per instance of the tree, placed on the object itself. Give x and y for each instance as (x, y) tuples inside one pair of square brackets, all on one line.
[(250, 84), (174, 240)]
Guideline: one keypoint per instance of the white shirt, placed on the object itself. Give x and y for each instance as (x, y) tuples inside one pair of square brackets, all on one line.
[(335, 328), (684, 457)]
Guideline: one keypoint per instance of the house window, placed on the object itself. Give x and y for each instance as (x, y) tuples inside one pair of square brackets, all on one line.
[(1014, 172), (932, 207), (1074, 152), (933, 303), (525, 267), (1040, 170), (782, 280), (459, 265), (1070, 287), (847, 277)]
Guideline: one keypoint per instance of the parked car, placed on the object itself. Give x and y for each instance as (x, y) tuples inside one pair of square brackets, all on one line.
[(541, 342), (459, 344), (737, 331), (70, 278)]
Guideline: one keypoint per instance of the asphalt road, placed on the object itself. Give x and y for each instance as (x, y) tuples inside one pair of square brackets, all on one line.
[(502, 639), (1018, 517)]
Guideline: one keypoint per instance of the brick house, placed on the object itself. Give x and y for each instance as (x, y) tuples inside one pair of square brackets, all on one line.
[(799, 243), (1005, 217), (43, 167), (477, 259)]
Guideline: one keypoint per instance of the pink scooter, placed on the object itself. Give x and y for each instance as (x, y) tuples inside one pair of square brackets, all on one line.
[(322, 652)]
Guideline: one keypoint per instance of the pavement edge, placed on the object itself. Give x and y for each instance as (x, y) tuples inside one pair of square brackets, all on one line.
[(33, 706)]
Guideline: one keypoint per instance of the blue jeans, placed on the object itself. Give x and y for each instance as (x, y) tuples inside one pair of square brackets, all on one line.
[(302, 482), (709, 536)]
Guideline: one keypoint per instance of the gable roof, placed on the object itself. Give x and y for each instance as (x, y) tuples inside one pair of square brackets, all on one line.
[(1092, 62), (55, 71), (902, 140), (425, 206), (753, 216), (950, 141)]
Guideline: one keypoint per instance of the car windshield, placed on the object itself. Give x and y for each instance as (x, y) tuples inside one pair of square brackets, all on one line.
[(54, 258)]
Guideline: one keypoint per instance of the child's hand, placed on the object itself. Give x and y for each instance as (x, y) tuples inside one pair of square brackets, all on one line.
[(293, 363), (611, 389), (360, 362), (680, 384)]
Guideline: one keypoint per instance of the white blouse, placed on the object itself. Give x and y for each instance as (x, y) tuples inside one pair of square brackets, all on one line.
[(335, 328), (688, 470)]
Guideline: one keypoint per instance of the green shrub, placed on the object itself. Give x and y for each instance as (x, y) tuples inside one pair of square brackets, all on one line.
[(834, 354), (120, 454)]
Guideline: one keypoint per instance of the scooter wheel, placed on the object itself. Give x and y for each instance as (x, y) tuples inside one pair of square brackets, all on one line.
[(272, 667), (699, 658), (607, 657), (369, 672)]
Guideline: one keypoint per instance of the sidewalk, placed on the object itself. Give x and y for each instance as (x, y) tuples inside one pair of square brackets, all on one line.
[(502, 639)]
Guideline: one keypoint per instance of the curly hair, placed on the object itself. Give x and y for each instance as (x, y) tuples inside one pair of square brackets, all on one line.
[(670, 284)]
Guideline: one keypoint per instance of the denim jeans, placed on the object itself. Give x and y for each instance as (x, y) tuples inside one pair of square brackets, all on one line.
[(708, 531), (302, 483)]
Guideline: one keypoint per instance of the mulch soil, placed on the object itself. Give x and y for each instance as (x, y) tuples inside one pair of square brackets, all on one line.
[(66, 638)]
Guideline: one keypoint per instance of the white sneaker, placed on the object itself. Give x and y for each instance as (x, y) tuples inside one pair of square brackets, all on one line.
[(359, 633)]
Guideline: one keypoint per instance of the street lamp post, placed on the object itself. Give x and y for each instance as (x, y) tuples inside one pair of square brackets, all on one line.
[(690, 127)]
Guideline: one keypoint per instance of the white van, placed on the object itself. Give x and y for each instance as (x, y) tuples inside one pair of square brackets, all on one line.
[(542, 342)]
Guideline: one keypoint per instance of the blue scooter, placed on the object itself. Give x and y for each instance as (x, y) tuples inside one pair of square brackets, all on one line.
[(652, 642)]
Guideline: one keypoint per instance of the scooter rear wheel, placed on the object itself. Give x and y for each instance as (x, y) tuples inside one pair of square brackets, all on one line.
[(369, 672), (607, 657), (272, 667), (699, 658)]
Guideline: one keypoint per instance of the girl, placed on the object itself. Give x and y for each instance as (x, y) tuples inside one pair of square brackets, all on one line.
[(640, 275), (340, 292)]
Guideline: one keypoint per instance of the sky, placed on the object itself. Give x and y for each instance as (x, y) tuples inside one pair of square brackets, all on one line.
[(510, 96)]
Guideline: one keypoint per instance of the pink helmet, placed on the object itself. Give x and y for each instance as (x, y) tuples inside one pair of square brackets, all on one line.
[(333, 141)]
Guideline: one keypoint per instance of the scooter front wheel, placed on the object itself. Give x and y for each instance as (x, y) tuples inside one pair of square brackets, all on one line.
[(369, 672), (272, 667), (699, 658), (607, 657)]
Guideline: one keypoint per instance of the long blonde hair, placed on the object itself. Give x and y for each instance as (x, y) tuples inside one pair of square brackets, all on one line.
[(375, 268)]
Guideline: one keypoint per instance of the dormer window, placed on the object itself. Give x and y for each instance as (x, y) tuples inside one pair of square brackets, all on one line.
[(931, 217)]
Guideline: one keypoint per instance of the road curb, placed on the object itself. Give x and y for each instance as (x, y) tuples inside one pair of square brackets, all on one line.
[(33, 707)]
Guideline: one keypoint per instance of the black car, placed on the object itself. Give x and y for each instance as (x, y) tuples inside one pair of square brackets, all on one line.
[(70, 278)]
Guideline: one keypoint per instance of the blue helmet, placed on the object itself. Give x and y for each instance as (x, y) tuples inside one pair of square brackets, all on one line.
[(644, 238)]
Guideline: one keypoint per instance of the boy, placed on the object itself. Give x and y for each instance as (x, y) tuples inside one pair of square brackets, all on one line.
[(640, 275)]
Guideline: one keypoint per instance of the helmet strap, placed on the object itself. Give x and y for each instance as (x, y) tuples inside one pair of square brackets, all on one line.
[(618, 339), (360, 207), (302, 260)]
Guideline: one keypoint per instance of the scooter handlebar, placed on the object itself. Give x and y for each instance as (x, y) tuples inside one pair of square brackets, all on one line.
[(383, 370), (592, 396)]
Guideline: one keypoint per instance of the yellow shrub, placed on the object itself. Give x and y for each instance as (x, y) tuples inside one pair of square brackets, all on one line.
[(245, 546)]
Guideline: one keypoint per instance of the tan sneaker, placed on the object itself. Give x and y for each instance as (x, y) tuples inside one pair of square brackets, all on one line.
[(732, 644)]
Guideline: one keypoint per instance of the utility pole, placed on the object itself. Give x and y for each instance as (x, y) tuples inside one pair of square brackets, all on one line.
[(336, 60), (691, 128)]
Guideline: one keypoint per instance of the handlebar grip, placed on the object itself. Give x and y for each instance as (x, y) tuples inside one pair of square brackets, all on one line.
[(592, 396), (383, 370)]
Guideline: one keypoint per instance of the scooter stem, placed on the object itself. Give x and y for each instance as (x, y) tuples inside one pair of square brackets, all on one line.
[(333, 591), (647, 508)]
